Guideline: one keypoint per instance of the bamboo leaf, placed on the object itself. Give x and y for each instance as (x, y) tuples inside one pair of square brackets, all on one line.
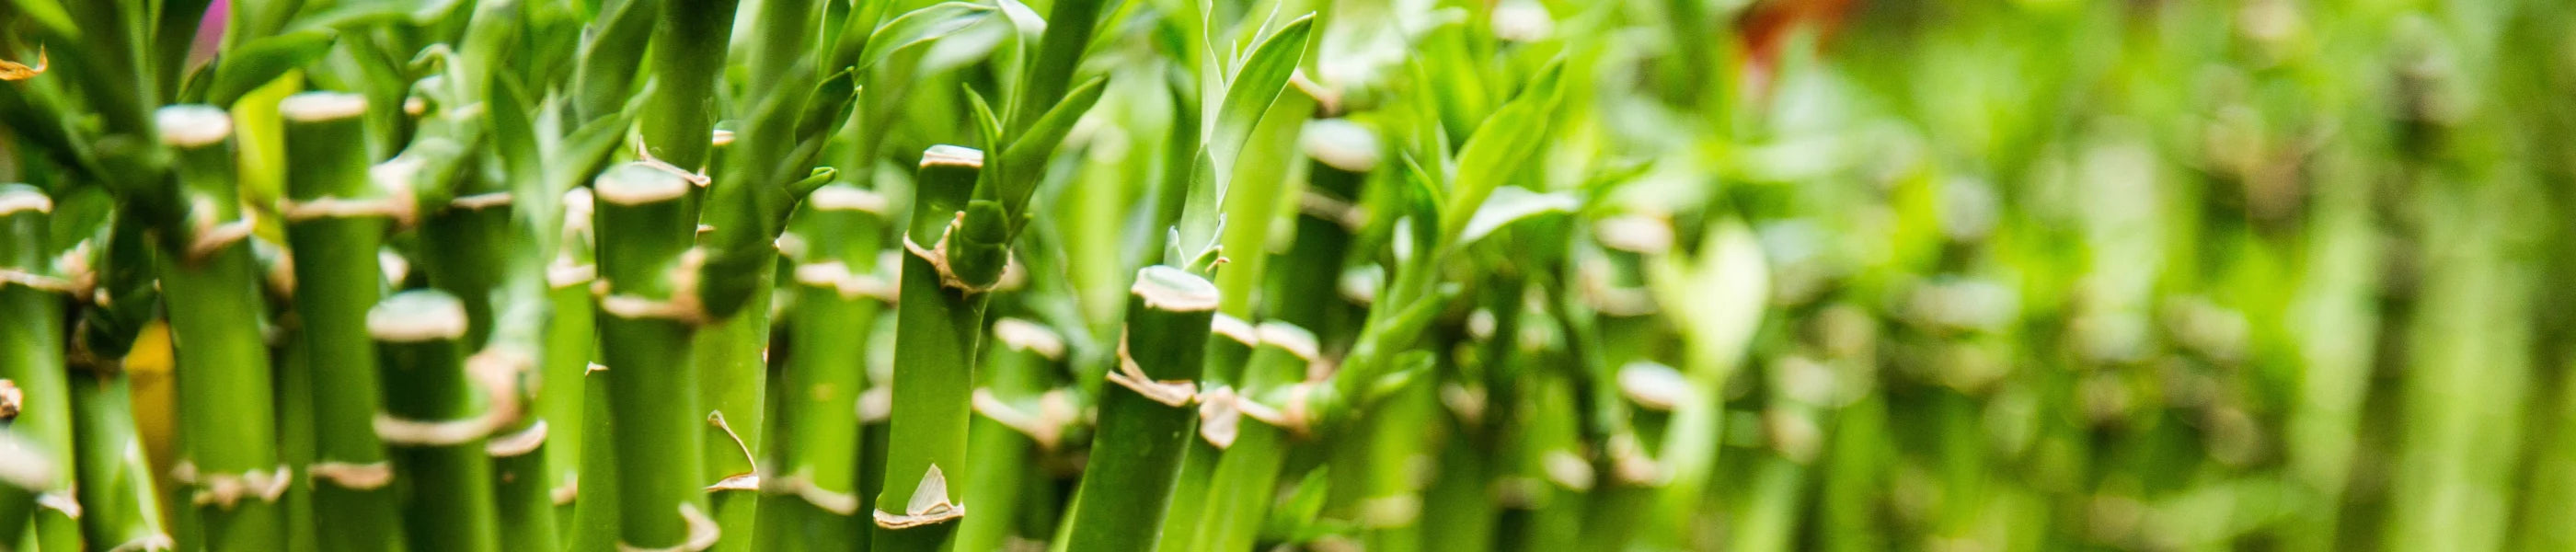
[(1254, 86), (262, 60), (1499, 148), (1511, 205), (1035, 143), (919, 27)]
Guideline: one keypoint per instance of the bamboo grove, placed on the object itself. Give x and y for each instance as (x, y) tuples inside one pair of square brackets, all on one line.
[(1229, 275)]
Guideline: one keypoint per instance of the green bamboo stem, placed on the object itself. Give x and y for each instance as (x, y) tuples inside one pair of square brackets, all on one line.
[(646, 323), (1230, 345), (612, 54), (1343, 154), (213, 291), (1070, 24), (25, 470), (336, 221), (119, 505), (1017, 419), (436, 421), (1146, 421), (937, 328), (576, 403), (688, 56), (810, 494), (31, 357), (1246, 479)]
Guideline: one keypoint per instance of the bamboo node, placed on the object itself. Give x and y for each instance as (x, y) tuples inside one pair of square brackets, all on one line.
[(1235, 329), (60, 502), (23, 199), (840, 279), (929, 505), (480, 201), (716, 418), (517, 443), (226, 490), (569, 490), (802, 485), (1046, 430), (846, 198), (736, 482), (341, 207), (22, 466), (36, 281), (1332, 209), (12, 400), (703, 533), (1174, 290), (1028, 336), (564, 274), (356, 477), (937, 256), (1390, 511), (876, 404), (146, 544), (214, 237), (440, 433), (1173, 393), (1219, 419), (1568, 470), (1654, 386)]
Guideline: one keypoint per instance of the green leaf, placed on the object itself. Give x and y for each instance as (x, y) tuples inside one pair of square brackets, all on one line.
[(988, 127), (1513, 204), (514, 136), (262, 60), (1254, 86), (1296, 515), (1035, 143), (1499, 149), (919, 27)]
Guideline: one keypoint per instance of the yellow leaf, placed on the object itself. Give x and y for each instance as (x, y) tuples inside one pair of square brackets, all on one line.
[(11, 70)]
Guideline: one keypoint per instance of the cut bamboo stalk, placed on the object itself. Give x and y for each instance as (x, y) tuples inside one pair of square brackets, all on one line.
[(1146, 414), (436, 421), (336, 219), (938, 323), (647, 315), (226, 402)]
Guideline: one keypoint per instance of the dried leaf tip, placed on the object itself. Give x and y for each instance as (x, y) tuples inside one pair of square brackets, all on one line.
[(929, 504), (192, 126), (14, 71), (312, 107), (1174, 290), (416, 316)]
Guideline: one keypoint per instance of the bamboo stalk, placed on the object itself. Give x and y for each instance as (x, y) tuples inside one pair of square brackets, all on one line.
[(212, 288), (336, 220), (1018, 419), (31, 358), (938, 323), (1229, 348), (647, 317), (1146, 423), (810, 498), (120, 507), (1246, 479), (436, 421)]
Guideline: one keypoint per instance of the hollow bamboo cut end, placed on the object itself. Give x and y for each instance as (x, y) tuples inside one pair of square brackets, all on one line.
[(638, 184), (417, 316), (944, 155), (193, 126), (1170, 289), (314, 107)]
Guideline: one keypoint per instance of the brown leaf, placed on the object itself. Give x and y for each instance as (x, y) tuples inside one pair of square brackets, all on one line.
[(13, 71)]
